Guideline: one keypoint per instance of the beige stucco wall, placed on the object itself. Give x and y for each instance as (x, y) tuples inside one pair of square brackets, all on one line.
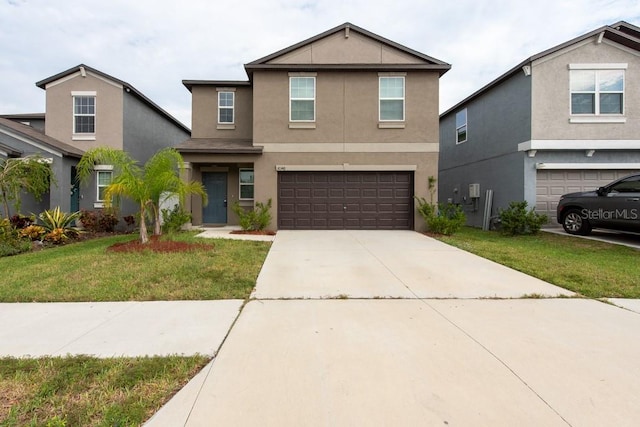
[(346, 109), (204, 121), (346, 47), (109, 110), (551, 94)]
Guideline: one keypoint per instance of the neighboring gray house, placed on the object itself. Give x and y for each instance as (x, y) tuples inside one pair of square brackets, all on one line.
[(564, 120), (19, 140), (87, 108)]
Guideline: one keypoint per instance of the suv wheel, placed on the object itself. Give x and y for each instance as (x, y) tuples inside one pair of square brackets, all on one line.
[(574, 223)]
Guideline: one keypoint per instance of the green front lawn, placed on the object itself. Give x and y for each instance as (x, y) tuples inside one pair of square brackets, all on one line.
[(591, 268), (85, 391), (85, 271)]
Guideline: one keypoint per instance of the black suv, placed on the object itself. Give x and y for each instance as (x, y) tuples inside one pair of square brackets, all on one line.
[(615, 206)]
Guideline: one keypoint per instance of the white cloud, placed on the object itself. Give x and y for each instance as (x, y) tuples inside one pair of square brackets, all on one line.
[(155, 44)]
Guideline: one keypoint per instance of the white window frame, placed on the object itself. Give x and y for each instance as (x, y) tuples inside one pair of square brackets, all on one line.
[(291, 98), (84, 94), (241, 184), (225, 107), (380, 98), (597, 69), (100, 169), (464, 126)]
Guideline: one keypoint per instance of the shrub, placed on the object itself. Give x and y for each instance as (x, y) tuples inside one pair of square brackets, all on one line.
[(20, 221), (58, 224), (98, 221), (446, 219), (174, 219), (10, 241), (517, 220), (256, 219), (441, 219), (107, 221)]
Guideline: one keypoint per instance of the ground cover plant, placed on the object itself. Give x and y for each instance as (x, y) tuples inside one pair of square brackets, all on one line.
[(591, 268), (88, 271), (86, 391)]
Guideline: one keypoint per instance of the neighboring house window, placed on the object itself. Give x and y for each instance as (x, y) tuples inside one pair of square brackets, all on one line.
[(104, 176), (597, 91), (302, 96), (246, 184), (461, 126), (225, 107), (391, 92), (84, 114)]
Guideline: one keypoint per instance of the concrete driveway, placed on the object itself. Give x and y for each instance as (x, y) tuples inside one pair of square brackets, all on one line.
[(385, 264), (295, 358)]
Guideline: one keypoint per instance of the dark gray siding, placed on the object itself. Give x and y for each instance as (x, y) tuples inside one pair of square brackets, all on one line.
[(497, 122), (146, 131)]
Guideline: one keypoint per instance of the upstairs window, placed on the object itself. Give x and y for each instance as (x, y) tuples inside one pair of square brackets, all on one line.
[(84, 114), (597, 91), (461, 126), (391, 94), (246, 184), (302, 99), (226, 101)]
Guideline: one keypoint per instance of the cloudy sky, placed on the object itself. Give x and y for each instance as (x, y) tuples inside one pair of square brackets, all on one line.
[(155, 44)]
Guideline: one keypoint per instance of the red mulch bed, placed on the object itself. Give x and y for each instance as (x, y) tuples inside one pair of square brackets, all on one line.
[(156, 245), (256, 232)]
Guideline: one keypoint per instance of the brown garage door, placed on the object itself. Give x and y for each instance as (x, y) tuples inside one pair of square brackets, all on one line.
[(345, 200)]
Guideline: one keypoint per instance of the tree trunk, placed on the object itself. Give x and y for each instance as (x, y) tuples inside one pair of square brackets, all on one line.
[(157, 229), (144, 236)]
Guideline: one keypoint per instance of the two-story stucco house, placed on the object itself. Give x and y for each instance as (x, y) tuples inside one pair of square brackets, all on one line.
[(564, 120), (339, 131), (87, 108)]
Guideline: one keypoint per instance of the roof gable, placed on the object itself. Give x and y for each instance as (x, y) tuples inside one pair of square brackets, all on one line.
[(82, 69), (347, 47)]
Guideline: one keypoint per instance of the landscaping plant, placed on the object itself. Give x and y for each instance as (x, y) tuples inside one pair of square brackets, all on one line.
[(256, 219), (148, 186), (59, 226), (174, 219), (442, 218), (10, 241), (518, 220), (31, 174)]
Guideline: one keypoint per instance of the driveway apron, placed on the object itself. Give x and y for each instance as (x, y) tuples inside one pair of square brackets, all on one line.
[(394, 328)]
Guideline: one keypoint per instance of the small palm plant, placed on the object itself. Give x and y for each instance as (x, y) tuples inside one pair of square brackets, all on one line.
[(59, 226)]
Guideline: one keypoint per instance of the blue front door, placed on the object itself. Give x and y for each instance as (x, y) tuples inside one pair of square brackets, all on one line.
[(215, 184)]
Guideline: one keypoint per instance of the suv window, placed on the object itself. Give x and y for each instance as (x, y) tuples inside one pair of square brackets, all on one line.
[(631, 185)]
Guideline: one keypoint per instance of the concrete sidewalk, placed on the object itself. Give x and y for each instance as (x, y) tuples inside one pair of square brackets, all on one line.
[(115, 329)]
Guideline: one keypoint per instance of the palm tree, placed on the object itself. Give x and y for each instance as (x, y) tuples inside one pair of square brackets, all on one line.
[(148, 186)]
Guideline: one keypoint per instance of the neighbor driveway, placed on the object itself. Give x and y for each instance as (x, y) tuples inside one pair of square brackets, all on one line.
[(349, 328)]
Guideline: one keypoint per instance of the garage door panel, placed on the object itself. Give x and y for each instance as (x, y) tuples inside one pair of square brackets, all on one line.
[(345, 200), (551, 184)]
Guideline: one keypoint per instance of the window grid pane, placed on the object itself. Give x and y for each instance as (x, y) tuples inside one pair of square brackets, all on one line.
[(246, 183), (391, 97), (597, 91), (302, 98), (84, 110)]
